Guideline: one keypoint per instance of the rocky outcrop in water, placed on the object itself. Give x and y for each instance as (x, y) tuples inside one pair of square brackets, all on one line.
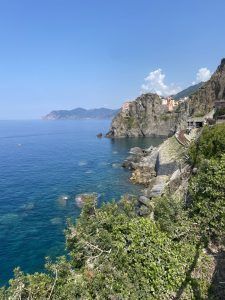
[(146, 116)]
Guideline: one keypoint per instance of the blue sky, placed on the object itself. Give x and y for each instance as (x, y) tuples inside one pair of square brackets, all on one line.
[(61, 54)]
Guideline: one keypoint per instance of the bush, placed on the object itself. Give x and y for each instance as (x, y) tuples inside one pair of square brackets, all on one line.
[(208, 198), (172, 217), (211, 144), (124, 256)]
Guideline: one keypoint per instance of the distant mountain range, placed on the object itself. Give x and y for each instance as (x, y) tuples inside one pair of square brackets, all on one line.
[(188, 91), (81, 113)]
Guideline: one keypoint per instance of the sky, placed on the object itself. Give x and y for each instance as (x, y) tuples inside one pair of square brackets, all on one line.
[(63, 54)]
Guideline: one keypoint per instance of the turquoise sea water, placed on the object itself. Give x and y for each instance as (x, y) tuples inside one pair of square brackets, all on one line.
[(40, 162)]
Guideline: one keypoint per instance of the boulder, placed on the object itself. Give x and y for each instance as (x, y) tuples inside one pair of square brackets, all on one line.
[(136, 151), (144, 200), (145, 170), (130, 162)]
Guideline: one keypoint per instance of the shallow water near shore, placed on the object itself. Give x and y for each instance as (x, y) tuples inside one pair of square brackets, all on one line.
[(43, 166)]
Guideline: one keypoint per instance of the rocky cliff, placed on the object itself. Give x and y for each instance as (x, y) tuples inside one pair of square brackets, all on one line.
[(145, 116), (203, 100)]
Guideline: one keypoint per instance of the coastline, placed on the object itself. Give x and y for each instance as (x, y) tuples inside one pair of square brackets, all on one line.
[(158, 170)]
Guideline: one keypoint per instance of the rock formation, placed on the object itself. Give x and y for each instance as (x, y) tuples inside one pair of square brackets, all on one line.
[(158, 169), (148, 116), (204, 99), (145, 116)]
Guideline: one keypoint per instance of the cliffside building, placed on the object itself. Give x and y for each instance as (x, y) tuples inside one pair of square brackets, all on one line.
[(169, 103)]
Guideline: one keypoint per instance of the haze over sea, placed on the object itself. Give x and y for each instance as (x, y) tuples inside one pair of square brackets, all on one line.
[(40, 162)]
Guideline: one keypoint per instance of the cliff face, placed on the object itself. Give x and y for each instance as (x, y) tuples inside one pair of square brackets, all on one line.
[(203, 100), (145, 116)]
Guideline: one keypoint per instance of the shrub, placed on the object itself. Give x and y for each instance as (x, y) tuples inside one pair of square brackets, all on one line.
[(211, 144), (208, 198)]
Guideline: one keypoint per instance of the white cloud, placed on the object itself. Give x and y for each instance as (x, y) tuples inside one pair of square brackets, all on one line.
[(202, 75), (155, 83)]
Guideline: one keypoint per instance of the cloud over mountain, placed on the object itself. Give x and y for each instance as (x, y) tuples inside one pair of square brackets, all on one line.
[(202, 75), (155, 83)]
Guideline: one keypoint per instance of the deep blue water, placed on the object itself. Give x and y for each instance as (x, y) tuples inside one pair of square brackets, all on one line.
[(41, 161)]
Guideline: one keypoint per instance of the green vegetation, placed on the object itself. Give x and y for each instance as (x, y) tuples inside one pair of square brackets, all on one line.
[(199, 115), (219, 112), (207, 187), (208, 198), (130, 122), (211, 144), (116, 254)]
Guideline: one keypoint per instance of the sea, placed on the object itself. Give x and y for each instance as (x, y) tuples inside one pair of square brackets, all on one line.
[(44, 165)]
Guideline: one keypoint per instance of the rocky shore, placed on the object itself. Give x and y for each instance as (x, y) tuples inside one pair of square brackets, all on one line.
[(160, 170)]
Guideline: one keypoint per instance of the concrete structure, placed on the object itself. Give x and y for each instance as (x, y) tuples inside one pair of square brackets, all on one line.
[(196, 122)]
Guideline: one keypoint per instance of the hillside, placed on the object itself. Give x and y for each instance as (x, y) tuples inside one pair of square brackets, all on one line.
[(204, 99), (188, 91), (81, 113)]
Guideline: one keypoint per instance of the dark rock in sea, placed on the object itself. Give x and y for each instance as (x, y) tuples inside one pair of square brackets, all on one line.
[(131, 161), (109, 134), (99, 135)]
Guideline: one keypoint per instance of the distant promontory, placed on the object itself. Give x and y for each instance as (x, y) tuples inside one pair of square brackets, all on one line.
[(81, 113)]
